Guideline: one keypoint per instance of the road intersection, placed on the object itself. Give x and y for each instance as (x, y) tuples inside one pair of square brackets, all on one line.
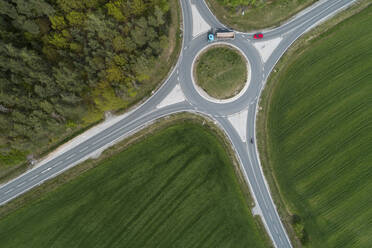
[(181, 79)]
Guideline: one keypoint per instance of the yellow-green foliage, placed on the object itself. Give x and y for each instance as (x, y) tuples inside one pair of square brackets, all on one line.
[(105, 98), (58, 40), (114, 9), (118, 43), (58, 22), (114, 74), (75, 18), (76, 47), (120, 60)]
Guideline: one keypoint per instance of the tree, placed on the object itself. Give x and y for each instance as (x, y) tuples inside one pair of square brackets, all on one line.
[(114, 10), (46, 107), (120, 60), (31, 27), (114, 74), (58, 22), (76, 47), (58, 40), (8, 9), (75, 18), (118, 43), (139, 36), (159, 15), (34, 8), (137, 7)]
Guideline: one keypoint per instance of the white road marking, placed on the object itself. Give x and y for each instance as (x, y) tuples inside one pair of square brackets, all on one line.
[(267, 47), (10, 190), (72, 155), (280, 238), (46, 170), (57, 164), (175, 96), (32, 178), (104, 137), (199, 25), (85, 148), (239, 123), (19, 185)]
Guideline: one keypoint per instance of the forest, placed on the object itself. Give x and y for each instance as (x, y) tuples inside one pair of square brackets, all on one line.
[(62, 60)]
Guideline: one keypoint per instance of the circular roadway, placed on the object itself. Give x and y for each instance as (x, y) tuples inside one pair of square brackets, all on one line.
[(228, 106)]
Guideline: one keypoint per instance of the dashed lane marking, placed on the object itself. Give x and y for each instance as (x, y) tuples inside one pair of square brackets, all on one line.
[(46, 170), (72, 155), (32, 178), (84, 149), (8, 191), (19, 185)]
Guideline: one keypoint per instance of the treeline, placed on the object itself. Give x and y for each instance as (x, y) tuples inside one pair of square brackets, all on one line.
[(55, 54)]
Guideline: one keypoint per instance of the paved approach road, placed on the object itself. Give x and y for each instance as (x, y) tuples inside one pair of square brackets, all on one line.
[(181, 75)]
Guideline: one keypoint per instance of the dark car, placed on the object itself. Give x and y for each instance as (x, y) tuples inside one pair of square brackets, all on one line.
[(258, 36)]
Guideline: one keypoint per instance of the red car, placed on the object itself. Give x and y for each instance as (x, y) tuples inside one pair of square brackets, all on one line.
[(258, 36)]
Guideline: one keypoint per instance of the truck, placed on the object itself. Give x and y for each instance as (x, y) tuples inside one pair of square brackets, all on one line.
[(220, 34)]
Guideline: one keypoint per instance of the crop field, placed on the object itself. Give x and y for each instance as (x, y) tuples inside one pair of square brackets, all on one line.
[(319, 138), (248, 15), (221, 71), (177, 188)]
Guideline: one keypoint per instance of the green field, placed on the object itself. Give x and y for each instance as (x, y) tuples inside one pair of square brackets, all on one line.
[(248, 15), (318, 135), (176, 188), (221, 72)]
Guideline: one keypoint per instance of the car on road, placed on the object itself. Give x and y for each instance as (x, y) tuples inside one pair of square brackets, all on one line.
[(258, 36)]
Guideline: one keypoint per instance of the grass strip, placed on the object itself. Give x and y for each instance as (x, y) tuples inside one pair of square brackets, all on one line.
[(256, 14)]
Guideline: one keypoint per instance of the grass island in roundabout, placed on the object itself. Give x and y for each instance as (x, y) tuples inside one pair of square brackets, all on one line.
[(220, 71)]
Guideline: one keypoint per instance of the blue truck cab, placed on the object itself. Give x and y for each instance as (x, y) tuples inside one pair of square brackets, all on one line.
[(210, 37)]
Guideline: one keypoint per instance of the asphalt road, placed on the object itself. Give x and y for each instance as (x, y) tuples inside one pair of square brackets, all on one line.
[(147, 112)]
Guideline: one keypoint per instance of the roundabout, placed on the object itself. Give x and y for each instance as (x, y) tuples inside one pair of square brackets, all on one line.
[(195, 95)]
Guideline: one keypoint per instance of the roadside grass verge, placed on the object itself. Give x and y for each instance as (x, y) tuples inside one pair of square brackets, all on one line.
[(258, 15), (314, 132), (221, 71), (174, 186), (105, 101)]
